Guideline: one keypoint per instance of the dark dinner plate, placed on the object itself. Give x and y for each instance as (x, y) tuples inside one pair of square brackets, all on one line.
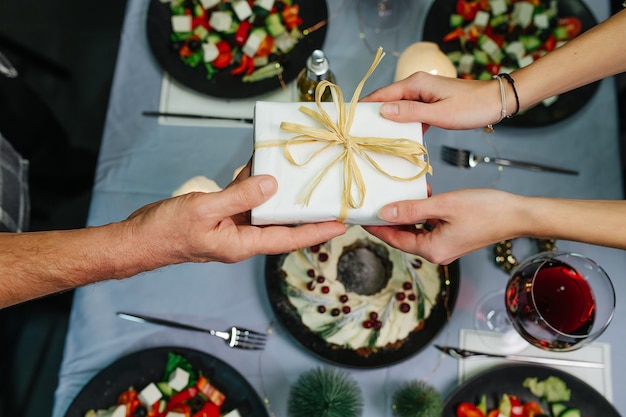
[(509, 378), (290, 319), (140, 368), (223, 84), (437, 26)]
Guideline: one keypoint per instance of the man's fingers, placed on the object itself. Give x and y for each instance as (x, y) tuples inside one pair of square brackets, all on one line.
[(244, 194)]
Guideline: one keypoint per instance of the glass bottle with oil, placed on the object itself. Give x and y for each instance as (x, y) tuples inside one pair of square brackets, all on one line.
[(316, 70)]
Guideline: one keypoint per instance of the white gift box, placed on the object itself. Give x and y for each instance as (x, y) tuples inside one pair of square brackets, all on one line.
[(325, 201)]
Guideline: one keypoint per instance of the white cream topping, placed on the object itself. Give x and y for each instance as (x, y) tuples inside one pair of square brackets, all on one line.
[(347, 330)]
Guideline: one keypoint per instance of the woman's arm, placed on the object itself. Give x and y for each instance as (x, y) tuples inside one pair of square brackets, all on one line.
[(470, 219), (467, 104)]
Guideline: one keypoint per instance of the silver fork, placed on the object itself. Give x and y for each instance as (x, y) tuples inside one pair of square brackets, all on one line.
[(467, 159), (235, 337)]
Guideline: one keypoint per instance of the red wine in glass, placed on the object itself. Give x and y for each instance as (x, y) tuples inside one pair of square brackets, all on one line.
[(552, 304)]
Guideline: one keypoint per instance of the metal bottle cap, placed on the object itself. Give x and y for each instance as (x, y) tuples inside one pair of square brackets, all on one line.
[(317, 66)]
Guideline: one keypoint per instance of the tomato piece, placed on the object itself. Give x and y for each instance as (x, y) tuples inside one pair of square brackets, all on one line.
[(468, 410), (454, 35), (532, 409), (200, 21), (225, 56), (550, 43), (516, 406), (572, 25), (467, 9), (493, 68)]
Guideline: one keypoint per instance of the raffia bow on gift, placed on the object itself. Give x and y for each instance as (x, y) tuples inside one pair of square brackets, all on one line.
[(338, 134)]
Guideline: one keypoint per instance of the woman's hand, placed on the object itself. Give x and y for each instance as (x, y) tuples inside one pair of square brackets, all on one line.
[(444, 102), (461, 222)]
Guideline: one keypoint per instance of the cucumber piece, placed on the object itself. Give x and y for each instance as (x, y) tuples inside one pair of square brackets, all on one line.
[(201, 32), (485, 76), (165, 388), (274, 25), (557, 409), (456, 20), (454, 56), (560, 33), (571, 412), (530, 42), (481, 57)]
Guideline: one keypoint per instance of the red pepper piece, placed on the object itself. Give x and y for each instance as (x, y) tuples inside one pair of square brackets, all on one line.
[(454, 35), (291, 17), (182, 396), (467, 8), (550, 43), (209, 391), (246, 65), (209, 409), (242, 32)]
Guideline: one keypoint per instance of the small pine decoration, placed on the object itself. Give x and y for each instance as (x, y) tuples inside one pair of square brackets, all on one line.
[(417, 399), (325, 392)]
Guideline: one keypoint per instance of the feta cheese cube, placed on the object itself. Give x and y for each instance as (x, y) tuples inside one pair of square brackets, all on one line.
[(515, 48), (242, 9), (541, 21), (233, 413), (150, 395), (498, 7), (221, 21), (174, 414), (550, 101), (523, 13), (209, 51), (207, 4), (525, 61), (181, 23), (490, 47), (482, 19), (466, 63), (179, 378), (253, 42), (266, 4)]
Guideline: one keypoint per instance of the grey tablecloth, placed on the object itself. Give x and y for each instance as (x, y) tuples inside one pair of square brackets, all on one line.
[(142, 161)]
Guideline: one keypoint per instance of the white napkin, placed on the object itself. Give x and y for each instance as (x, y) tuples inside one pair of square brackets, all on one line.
[(491, 342), (176, 98)]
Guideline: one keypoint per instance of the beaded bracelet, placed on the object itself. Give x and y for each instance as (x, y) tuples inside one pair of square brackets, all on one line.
[(512, 82)]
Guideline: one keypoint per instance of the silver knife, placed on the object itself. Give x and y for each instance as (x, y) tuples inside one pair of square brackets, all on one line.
[(458, 353), (197, 116)]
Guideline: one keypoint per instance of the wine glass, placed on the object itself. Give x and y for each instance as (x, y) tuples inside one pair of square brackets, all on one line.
[(559, 301), (381, 15), (556, 301)]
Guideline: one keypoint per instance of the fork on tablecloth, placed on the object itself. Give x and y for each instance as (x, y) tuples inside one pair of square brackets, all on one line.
[(467, 159), (235, 337)]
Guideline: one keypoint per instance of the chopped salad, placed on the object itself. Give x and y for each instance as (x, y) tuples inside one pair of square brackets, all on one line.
[(182, 392), (500, 36), (252, 35), (551, 390)]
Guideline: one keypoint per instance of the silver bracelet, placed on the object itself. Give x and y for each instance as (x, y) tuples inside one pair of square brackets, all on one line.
[(489, 127)]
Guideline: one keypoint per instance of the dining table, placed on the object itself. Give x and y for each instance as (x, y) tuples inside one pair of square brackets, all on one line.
[(144, 159)]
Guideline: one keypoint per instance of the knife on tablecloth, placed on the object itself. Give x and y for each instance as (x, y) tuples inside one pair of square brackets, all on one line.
[(458, 353)]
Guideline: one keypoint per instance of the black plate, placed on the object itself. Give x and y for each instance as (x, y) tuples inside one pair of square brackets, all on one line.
[(508, 379), (437, 26), (289, 317), (223, 84), (140, 368)]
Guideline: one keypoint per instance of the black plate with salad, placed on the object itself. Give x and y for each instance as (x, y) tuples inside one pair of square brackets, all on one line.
[(235, 49), (518, 391), (486, 37), (205, 386)]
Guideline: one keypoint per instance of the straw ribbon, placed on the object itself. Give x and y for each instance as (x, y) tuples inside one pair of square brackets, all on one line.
[(337, 133)]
